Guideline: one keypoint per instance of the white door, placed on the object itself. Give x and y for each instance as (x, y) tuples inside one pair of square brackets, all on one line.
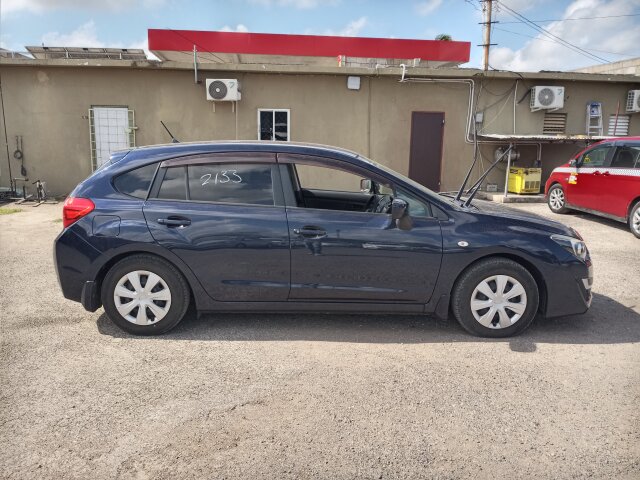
[(110, 131)]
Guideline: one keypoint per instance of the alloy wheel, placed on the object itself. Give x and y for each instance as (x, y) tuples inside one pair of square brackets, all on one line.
[(498, 301), (635, 222), (142, 297), (556, 198)]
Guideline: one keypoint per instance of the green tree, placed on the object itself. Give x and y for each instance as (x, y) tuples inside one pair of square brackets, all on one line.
[(444, 37)]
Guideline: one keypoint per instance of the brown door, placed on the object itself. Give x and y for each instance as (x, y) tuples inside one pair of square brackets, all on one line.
[(425, 155)]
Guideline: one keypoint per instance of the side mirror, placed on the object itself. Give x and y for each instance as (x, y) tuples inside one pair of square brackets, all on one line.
[(399, 208), (366, 185)]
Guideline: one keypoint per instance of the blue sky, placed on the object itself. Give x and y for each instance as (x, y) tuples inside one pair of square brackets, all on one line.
[(124, 23)]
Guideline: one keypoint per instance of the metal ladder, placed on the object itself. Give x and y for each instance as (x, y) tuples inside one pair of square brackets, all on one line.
[(594, 118)]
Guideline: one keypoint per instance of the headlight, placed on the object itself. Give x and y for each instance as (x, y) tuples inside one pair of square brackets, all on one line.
[(574, 246)]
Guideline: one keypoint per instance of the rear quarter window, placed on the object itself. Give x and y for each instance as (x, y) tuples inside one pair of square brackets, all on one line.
[(136, 182)]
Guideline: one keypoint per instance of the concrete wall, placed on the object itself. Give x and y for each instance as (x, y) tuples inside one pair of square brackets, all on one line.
[(625, 67), (48, 106)]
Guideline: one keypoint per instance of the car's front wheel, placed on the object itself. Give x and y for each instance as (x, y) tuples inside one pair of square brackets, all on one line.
[(496, 297), (144, 295), (556, 199), (634, 220)]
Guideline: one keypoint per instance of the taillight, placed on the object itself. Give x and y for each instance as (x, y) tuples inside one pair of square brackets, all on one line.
[(74, 209)]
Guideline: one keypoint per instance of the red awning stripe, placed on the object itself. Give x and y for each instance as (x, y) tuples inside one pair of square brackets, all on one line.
[(307, 45)]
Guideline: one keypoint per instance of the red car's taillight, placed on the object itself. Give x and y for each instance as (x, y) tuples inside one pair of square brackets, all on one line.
[(74, 209)]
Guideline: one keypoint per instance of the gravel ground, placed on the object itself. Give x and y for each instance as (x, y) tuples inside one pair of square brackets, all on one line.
[(293, 396)]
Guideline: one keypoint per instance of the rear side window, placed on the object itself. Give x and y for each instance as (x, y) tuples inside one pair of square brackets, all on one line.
[(627, 156), (174, 184), (136, 182), (231, 183)]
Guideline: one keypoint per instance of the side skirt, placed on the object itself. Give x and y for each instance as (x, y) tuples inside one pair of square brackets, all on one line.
[(596, 212), (314, 307)]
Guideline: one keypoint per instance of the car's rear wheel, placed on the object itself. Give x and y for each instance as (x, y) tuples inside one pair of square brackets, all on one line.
[(556, 199), (634, 220), (496, 297), (144, 295)]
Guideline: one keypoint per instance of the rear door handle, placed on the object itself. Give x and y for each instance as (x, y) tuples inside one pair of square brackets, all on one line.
[(605, 173), (174, 222), (597, 172), (310, 232)]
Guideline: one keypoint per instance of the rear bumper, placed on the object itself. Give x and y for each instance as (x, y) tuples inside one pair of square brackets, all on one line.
[(73, 258)]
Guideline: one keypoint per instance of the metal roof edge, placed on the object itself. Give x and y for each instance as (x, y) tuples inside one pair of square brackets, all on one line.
[(411, 72), (551, 138)]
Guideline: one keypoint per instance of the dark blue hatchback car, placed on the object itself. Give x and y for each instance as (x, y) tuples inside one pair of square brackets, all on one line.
[(275, 226)]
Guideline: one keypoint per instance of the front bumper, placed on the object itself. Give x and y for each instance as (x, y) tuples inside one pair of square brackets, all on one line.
[(570, 292)]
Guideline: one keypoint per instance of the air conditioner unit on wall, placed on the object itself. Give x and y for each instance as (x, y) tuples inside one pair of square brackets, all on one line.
[(547, 98), (223, 89), (633, 101)]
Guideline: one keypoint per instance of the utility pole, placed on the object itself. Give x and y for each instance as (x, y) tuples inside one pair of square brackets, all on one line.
[(487, 7)]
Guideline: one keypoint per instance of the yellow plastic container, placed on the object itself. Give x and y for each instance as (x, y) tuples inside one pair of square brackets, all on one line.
[(524, 180)]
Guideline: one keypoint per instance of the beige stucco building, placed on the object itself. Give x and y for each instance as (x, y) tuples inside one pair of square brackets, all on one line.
[(49, 102)]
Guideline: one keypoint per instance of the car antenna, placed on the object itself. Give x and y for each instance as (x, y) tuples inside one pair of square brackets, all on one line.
[(473, 164), (476, 186), (173, 139)]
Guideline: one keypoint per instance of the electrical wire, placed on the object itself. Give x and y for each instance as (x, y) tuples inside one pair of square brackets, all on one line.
[(196, 44), (550, 35), (577, 18), (470, 2), (551, 41), (497, 115)]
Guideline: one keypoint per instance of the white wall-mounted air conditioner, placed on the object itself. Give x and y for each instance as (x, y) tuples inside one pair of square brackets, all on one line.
[(223, 89), (547, 98), (633, 101)]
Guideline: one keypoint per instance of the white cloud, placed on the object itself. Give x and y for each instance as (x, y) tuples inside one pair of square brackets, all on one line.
[(352, 29), (40, 6), (239, 28), (300, 4), (521, 5), (615, 34), (430, 6), (83, 36)]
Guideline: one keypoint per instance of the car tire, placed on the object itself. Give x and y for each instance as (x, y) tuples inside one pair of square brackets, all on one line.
[(152, 311), (556, 199), (634, 220), (497, 277)]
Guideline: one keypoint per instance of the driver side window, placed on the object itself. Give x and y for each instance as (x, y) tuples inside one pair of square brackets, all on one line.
[(596, 157), (314, 177), (326, 185)]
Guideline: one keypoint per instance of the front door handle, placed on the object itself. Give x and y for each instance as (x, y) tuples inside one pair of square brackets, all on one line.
[(605, 173), (310, 232), (173, 222), (597, 172)]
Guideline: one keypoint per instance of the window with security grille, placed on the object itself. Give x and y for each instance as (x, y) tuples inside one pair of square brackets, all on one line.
[(273, 125), (111, 128)]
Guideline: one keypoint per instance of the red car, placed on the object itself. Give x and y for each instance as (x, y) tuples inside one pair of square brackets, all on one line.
[(603, 179)]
